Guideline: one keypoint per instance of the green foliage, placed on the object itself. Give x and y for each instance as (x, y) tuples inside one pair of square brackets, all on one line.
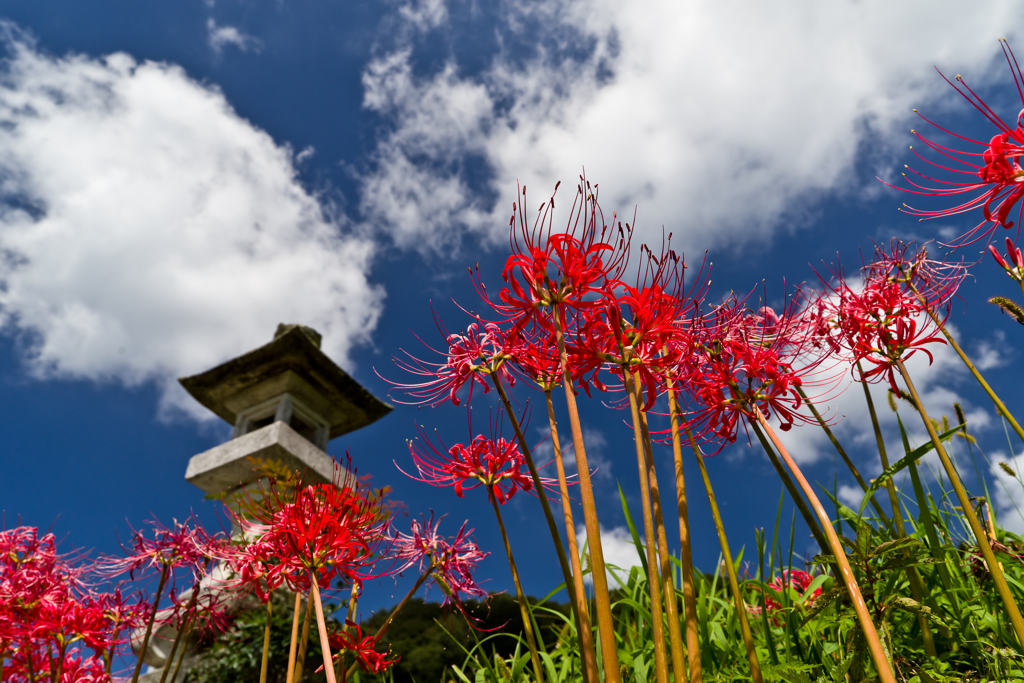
[(236, 654), (430, 639)]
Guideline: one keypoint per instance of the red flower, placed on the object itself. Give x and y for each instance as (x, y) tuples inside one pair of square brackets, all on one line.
[(470, 358), (737, 359), (451, 562), (882, 323), (790, 579), (998, 180), (564, 269), (363, 647), (495, 464), (331, 531)]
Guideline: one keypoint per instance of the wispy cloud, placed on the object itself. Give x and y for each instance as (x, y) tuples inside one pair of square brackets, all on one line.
[(719, 119), (149, 232), (219, 37)]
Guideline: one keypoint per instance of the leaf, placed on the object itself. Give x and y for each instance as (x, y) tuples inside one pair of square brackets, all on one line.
[(823, 601), (894, 545), (895, 468), (814, 585), (911, 605)]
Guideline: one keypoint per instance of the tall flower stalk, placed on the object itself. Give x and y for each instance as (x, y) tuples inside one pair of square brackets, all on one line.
[(685, 552), (1002, 587)]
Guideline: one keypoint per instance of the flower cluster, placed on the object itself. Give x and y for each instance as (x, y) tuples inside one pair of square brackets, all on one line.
[(49, 617), (894, 313), (789, 579), (324, 531)]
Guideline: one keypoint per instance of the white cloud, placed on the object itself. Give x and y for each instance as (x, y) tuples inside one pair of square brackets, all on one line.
[(148, 231), (846, 409), (1009, 491), (619, 551), (595, 443), (719, 119), (851, 496), (219, 37)]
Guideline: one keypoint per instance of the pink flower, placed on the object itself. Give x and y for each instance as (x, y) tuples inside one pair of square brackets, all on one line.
[(470, 359), (451, 562)]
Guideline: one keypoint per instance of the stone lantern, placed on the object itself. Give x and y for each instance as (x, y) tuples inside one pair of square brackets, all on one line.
[(285, 400)]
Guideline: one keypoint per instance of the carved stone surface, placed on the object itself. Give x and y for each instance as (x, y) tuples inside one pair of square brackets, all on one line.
[(227, 467)]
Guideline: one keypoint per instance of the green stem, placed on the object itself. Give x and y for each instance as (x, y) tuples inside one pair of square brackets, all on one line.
[(321, 625), (968, 510), (524, 607), (870, 633), (181, 630), (184, 651), (149, 625), (794, 492), (293, 644), (653, 579), (541, 494), (685, 552), (602, 599), (303, 640), (1000, 406), (675, 635), (897, 516), (730, 569), (266, 641), (586, 636), (842, 453)]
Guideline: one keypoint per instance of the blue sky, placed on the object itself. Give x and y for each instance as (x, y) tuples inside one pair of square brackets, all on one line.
[(177, 178)]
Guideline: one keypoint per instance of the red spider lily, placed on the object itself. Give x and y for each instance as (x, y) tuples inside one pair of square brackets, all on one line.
[(933, 283), (77, 669), (495, 464), (537, 359), (451, 562), (330, 531), (47, 614), (794, 579), (184, 545), (997, 178), (470, 358), (564, 269), (1014, 256), (736, 359), (363, 647), (882, 323)]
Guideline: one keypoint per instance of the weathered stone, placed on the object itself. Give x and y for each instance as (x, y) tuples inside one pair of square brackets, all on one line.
[(291, 364), (228, 466)]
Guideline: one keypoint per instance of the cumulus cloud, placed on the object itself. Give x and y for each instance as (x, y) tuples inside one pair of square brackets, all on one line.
[(148, 231), (718, 119), (619, 552), (219, 37)]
